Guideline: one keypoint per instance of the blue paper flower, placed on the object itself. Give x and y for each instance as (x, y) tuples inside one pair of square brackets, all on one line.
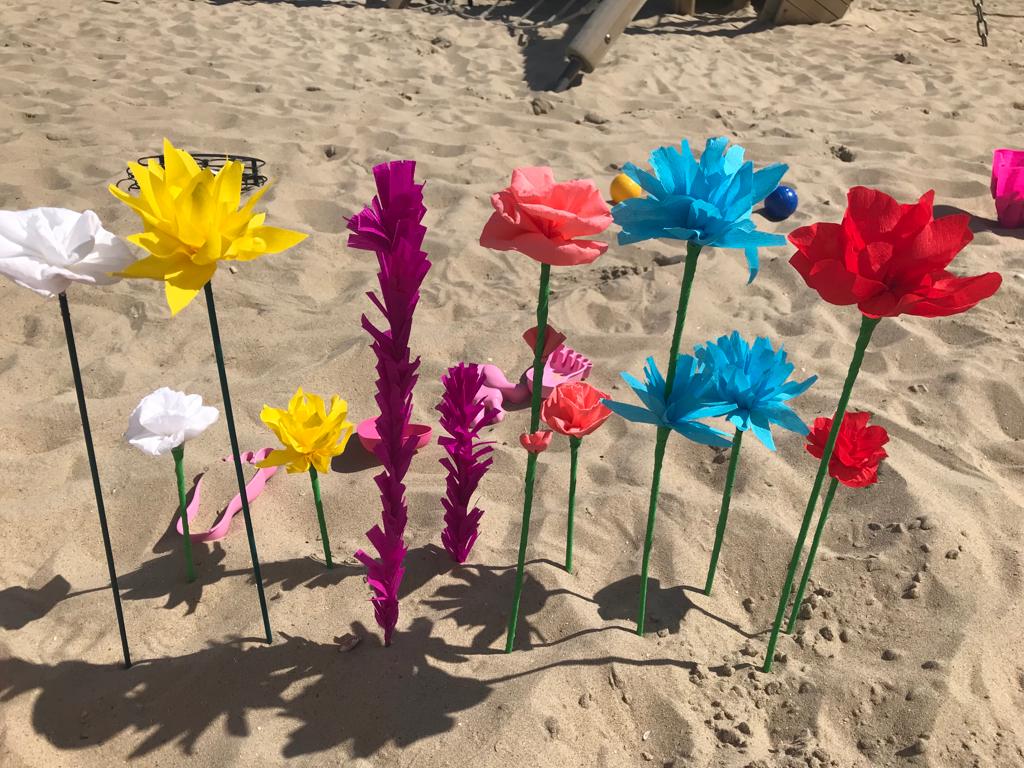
[(708, 203), (753, 379), (680, 410)]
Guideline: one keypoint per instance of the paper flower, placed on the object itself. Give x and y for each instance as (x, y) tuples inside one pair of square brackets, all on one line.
[(48, 249), (890, 259), (166, 418), (704, 203), (468, 459), (536, 442), (311, 433), (544, 219), (858, 450), (691, 399), (753, 380), (391, 227), (191, 221), (575, 409)]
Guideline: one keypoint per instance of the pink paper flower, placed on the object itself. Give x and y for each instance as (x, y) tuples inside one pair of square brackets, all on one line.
[(538, 442), (542, 219)]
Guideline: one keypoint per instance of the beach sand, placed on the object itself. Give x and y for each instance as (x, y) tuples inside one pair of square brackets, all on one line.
[(891, 96)]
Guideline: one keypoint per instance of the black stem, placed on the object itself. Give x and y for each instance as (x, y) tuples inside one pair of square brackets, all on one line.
[(76, 372), (237, 456)]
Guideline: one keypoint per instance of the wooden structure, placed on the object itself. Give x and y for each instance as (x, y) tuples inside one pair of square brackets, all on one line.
[(803, 11)]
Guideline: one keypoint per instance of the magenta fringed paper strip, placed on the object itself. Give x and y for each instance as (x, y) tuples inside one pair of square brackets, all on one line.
[(390, 227), (462, 417)]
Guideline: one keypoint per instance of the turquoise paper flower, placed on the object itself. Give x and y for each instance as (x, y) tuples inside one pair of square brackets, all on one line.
[(689, 401), (753, 380), (707, 202)]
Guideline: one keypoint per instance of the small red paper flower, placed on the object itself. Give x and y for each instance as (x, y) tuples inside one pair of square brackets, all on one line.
[(575, 409), (890, 259), (537, 442), (858, 450), (544, 219)]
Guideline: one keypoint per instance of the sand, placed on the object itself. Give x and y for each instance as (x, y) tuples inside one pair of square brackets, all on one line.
[(892, 96)]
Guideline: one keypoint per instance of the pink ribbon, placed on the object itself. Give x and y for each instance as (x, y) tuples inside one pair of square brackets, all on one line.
[(252, 489)]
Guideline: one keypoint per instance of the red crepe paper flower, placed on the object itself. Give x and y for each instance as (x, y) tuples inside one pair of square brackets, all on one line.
[(574, 409), (543, 219), (890, 259), (538, 442), (858, 450)]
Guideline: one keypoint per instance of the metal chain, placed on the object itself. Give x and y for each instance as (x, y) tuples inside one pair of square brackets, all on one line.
[(979, 9)]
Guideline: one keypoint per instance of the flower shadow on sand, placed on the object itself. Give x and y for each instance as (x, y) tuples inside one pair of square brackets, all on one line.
[(400, 697)]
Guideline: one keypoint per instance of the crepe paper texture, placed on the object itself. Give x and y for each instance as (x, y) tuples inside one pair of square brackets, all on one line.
[(574, 409), (192, 221), (706, 203), (222, 526), (754, 380), (160, 424), (544, 220), (312, 435), (164, 419), (1008, 186), (855, 460), (673, 404), (47, 250), (561, 364), (888, 259), (536, 442), (391, 227), (468, 459)]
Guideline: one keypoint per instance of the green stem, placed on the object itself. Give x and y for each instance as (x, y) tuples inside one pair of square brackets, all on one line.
[(829, 495), (574, 447), (689, 271), (179, 471), (531, 461), (211, 308), (76, 373), (723, 515), (867, 326), (315, 479)]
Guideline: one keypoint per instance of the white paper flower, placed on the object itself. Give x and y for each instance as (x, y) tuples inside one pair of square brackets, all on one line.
[(165, 419), (48, 249)]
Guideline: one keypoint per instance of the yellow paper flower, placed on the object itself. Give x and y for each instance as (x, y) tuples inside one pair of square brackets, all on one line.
[(309, 433), (191, 220)]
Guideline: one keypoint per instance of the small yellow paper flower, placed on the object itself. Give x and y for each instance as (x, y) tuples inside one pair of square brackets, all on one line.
[(309, 433), (191, 220)]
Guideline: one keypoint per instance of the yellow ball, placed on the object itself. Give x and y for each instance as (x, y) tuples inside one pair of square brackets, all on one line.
[(624, 188)]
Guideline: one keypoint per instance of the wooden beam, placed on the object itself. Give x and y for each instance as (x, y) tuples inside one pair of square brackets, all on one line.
[(685, 7)]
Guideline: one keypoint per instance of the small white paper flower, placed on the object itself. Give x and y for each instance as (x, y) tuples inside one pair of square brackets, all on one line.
[(48, 249), (165, 419)]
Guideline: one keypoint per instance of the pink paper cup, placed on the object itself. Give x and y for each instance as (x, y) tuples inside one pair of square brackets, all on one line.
[(1008, 187)]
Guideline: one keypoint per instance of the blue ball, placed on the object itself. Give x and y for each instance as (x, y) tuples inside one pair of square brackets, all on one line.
[(781, 204)]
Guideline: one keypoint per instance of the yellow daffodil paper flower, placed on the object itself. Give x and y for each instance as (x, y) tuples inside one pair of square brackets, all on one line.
[(309, 433), (191, 220)]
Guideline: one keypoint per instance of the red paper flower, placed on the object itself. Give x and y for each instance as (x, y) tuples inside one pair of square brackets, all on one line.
[(575, 409), (542, 219), (537, 442), (890, 259), (858, 450)]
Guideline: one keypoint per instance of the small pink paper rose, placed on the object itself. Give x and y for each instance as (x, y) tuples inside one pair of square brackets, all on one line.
[(537, 442)]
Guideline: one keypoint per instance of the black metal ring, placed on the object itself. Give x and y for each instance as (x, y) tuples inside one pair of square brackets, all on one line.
[(251, 166)]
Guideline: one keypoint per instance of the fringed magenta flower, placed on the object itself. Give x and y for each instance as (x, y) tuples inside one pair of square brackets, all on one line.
[(753, 381), (707, 202), (693, 397)]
